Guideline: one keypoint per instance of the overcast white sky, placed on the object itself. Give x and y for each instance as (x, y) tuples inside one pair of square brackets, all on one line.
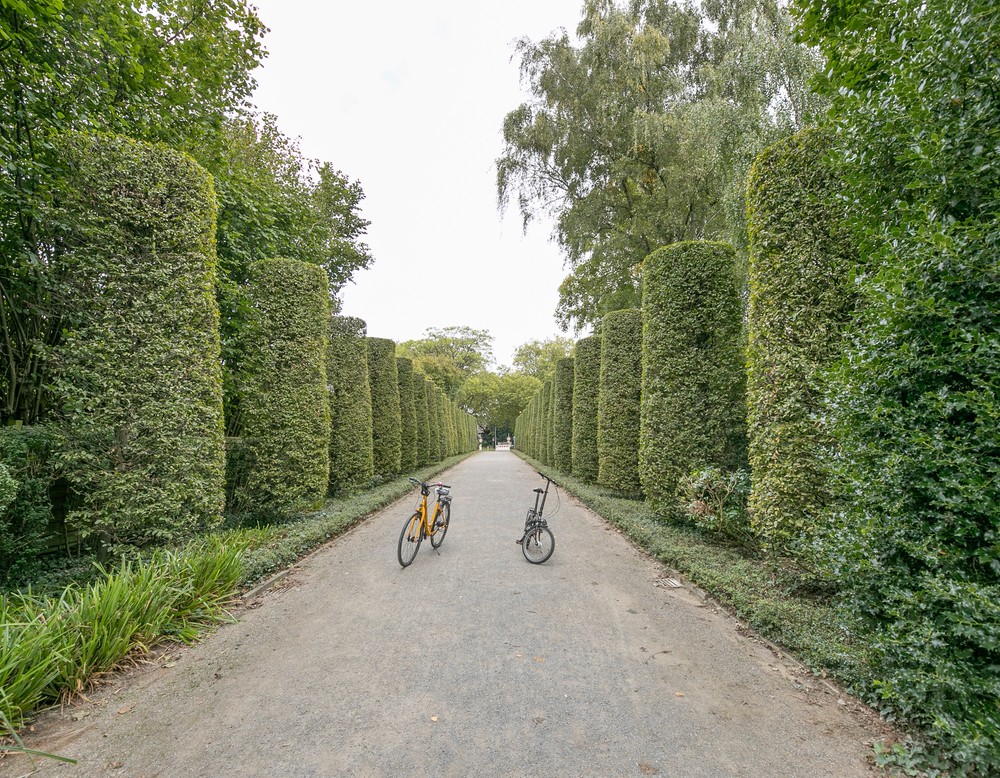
[(409, 98)]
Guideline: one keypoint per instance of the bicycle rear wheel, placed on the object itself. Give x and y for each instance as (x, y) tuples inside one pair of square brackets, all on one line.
[(409, 540), (537, 544), (444, 517)]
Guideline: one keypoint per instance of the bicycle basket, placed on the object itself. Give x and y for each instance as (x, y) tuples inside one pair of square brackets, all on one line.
[(443, 491)]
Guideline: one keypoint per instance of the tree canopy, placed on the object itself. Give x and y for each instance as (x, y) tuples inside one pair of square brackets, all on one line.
[(449, 355), (538, 358), (639, 133)]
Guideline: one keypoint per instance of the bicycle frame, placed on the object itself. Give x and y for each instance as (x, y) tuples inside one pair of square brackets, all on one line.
[(428, 522)]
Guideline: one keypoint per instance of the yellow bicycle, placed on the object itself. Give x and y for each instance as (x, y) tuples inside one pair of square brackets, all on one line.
[(421, 524)]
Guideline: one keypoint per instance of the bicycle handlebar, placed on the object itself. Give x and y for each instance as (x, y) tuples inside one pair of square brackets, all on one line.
[(550, 480), (418, 482)]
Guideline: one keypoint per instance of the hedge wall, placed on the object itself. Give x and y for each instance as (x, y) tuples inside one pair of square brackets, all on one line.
[(562, 415), (422, 412), (351, 459), (283, 388), (386, 420), (138, 383), (586, 382), (439, 429), (407, 415), (693, 369), (618, 401), (801, 298)]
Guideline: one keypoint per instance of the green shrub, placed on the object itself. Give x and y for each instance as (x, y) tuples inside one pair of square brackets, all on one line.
[(283, 388), (386, 420), (439, 426), (351, 462), (801, 298), (28, 471), (586, 383), (562, 415), (407, 415), (421, 410), (693, 369), (716, 501), (618, 401), (138, 381)]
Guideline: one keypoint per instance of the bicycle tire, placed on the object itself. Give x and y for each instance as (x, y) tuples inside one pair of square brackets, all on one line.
[(409, 540), (538, 544), (438, 537)]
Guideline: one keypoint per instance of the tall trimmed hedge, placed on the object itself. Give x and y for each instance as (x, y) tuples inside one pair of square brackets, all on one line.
[(138, 379), (618, 401), (386, 421), (27, 473), (283, 388), (545, 423), (407, 415), (801, 298), (586, 382), (351, 459), (562, 415), (693, 369), (422, 412), (439, 430)]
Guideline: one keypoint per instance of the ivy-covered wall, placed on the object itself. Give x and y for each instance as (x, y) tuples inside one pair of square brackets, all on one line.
[(618, 401), (386, 421), (586, 382), (693, 369), (138, 383), (283, 388), (801, 299), (351, 459)]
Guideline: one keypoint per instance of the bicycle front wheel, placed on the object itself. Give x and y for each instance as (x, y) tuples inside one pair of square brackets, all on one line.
[(409, 540), (442, 526), (537, 544)]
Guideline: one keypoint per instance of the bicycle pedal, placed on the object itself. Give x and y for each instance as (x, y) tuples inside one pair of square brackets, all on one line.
[(519, 541)]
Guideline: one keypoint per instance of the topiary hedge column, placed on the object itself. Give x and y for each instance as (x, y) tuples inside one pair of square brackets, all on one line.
[(562, 415), (386, 422), (693, 370), (138, 377), (351, 459), (801, 298), (283, 388), (618, 401), (407, 415), (586, 381), (420, 404)]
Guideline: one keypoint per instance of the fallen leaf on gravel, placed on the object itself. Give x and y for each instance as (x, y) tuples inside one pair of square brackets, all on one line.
[(434, 718), (647, 769), (126, 708), (678, 694), (539, 658)]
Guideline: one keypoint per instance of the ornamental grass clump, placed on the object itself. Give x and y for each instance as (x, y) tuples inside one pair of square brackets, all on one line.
[(52, 647)]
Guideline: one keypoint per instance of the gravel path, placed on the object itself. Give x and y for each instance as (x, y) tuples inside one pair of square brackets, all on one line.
[(469, 662)]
